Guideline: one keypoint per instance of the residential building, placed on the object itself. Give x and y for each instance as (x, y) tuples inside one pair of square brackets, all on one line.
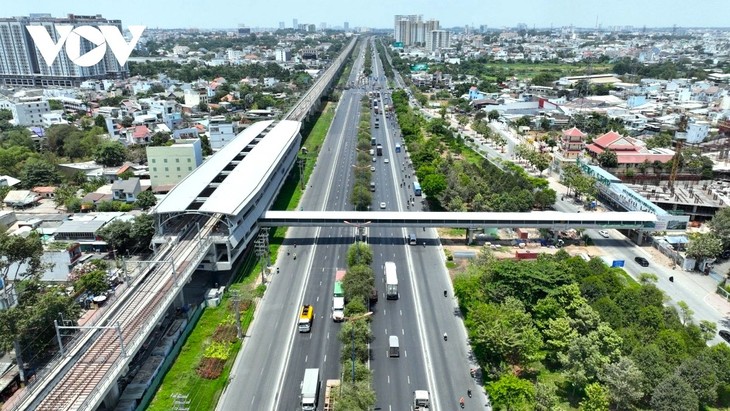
[(438, 39), (170, 164), (22, 65), (283, 55), (221, 132), (126, 190), (50, 119), (27, 111)]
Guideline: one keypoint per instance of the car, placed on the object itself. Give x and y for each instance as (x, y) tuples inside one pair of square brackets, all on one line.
[(372, 168), (725, 335), (641, 261), (603, 233), (386, 161), (382, 205)]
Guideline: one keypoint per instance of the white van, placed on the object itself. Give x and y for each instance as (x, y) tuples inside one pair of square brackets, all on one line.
[(412, 240), (393, 346)]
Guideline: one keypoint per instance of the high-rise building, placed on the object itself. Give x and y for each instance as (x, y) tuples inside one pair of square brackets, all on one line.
[(21, 63), (347, 25), (281, 25), (438, 39), (295, 24), (411, 29), (323, 26)]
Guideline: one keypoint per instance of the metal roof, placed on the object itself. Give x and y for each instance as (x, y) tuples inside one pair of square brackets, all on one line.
[(243, 181)]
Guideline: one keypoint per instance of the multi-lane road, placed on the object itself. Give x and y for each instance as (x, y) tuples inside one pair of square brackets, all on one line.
[(268, 373)]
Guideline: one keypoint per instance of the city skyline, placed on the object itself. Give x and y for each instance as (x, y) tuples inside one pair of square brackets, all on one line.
[(379, 13)]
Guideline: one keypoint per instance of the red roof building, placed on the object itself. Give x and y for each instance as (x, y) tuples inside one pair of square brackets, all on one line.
[(629, 151), (572, 143)]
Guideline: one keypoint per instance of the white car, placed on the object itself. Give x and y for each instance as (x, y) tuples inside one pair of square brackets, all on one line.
[(374, 159), (386, 161), (382, 205), (603, 233), (372, 168)]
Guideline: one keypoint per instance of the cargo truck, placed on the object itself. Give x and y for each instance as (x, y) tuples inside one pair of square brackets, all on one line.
[(306, 317), (421, 400), (338, 301), (379, 149), (310, 389), (391, 281), (329, 393)]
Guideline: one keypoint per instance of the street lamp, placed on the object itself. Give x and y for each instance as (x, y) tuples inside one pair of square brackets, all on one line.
[(358, 226), (352, 320)]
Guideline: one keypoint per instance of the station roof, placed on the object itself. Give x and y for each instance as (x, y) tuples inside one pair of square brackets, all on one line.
[(240, 170)]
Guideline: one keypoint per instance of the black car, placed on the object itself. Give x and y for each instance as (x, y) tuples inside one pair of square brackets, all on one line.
[(725, 334), (642, 261)]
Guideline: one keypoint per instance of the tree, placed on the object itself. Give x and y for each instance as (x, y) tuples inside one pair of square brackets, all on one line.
[(720, 225), (38, 172), (100, 121), (608, 159), (159, 139), (708, 329), (359, 396), (434, 184), (701, 376), (623, 382), (145, 200), (493, 115), (21, 259), (142, 231), (596, 398), (95, 282), (358, 283), (359, 253), (704, 246), (685, 312), (361, 197), (480, 115), (545, 397), (510, 392), (118, 234), (111, 154), (63, 194), (674, 394)]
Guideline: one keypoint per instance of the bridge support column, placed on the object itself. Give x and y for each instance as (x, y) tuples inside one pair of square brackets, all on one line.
[(639, 237), (112, 397), (469, 236)]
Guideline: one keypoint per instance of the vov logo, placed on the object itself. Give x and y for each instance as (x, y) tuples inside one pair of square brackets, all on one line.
[(101, 36)]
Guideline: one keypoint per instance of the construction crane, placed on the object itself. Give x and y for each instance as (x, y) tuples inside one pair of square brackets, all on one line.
[(681, 128)]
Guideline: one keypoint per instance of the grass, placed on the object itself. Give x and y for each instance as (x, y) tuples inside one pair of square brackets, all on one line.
[(182, 377), (559, 69)]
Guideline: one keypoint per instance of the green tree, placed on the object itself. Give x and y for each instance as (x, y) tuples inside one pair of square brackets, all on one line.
[(685, 312), (111, 154), (159, 139), (142, 231), (361, 197), (720, 225), (511, 392), (55, 105), (493, 115), (38, 172), (546, 398), (63, 194), (623, 381), (145, 200), (358, 283), (118, 234), (674, 394), (434, 184), (708, 329), (359, 396), (704, 246), (608, 159), (359, 253), (100, 121), (701, 376), (596, 398), (95, 282)]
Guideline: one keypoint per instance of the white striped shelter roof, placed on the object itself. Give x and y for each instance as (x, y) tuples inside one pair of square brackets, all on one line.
[(240, 170)]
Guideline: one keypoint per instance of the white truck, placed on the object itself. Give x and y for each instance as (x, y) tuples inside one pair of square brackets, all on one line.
[(421, 400), (391, 281), (310, 389), (338, 309)]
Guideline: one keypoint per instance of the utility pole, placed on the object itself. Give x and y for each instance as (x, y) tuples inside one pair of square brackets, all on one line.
[(180, 402), (261, 249), (237, 306), (300, 162)]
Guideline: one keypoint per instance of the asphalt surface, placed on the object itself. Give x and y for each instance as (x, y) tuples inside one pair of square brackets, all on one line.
[(269, 370)]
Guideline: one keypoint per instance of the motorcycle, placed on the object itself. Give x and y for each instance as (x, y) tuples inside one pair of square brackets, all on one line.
[(446, 337), (445, 294)]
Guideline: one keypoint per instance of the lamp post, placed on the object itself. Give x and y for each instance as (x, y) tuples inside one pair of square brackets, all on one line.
[(352, 320), (358, 226)]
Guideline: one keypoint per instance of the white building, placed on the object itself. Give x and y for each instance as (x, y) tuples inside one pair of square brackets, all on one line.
[(53, 118), (283, 55), (438, 39), (221, 132), (27, 111)]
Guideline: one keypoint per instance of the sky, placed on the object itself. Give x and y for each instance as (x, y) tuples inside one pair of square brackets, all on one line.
[(379, 13)]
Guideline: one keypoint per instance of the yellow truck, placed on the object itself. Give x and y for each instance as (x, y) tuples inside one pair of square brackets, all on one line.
[(306, 317), (329, 392)]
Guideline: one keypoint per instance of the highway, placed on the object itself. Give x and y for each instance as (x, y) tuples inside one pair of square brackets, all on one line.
[(422, 314), (268, 372)]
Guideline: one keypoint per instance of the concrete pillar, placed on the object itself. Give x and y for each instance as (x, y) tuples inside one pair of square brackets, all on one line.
[(469, 236), (639, 237), (112, 397), (180, 299)]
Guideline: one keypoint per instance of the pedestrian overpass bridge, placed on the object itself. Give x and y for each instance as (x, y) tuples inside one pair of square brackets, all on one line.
[(553, 220)]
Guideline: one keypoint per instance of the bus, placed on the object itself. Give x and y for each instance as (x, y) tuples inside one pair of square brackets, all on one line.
[(416, 188)]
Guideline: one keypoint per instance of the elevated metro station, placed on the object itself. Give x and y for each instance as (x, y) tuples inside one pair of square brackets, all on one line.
[(236, 186)]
